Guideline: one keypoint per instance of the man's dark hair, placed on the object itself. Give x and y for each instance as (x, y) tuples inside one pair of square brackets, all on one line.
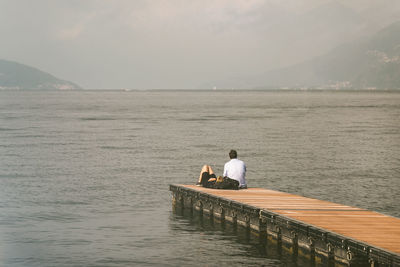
[(233, 154)]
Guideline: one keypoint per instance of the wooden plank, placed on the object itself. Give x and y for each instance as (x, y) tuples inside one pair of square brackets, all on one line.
[(370, 227)]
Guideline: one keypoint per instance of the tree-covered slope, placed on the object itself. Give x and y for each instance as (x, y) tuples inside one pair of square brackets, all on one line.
[(18, 76)]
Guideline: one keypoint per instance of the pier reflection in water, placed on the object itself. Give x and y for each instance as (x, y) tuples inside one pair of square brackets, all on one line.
[(253, 248)]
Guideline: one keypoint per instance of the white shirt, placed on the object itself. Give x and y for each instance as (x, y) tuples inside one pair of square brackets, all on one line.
[(236, 169)]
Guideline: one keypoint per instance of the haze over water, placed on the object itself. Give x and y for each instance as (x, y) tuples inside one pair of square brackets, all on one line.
[(84, 176)]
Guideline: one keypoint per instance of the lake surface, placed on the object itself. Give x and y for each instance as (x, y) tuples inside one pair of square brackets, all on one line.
[(84, 176)]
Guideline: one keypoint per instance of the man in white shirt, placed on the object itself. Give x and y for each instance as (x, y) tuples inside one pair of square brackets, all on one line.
[(236, 169)]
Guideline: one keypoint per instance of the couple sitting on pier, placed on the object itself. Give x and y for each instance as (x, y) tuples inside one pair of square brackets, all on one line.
[(234, 176)]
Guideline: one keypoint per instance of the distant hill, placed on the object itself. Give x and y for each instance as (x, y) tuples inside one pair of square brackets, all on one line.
[(368, 63), (18, 76), (372, 63)]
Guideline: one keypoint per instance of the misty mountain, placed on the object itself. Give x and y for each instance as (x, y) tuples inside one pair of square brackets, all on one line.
[(367, 63), (18, 76), (325, 26)]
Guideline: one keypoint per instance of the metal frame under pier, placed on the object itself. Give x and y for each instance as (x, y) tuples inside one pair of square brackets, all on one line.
[(297, 236)]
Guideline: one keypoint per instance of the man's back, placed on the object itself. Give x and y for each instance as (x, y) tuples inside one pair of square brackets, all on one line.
[(236, 169)]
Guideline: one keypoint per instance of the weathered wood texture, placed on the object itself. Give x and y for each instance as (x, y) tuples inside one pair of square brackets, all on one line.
[(369, 227)]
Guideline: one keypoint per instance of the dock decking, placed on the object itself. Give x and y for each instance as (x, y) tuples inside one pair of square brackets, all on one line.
[(335, 230)]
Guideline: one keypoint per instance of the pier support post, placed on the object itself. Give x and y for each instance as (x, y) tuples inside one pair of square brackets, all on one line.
[(208, 207), (231, 216), (273, 229), (219, 212), (288, 234), (187, 202)]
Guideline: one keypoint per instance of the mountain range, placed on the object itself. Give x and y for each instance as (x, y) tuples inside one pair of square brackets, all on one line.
[(367, 63), (14, 75)]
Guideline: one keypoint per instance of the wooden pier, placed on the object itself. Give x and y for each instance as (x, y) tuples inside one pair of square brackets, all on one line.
[(344, 234)]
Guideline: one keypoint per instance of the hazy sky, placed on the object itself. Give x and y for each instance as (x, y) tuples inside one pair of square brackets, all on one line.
[(179, 43)]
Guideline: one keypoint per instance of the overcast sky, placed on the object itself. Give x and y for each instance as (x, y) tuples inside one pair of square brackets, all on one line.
[(137, 44)]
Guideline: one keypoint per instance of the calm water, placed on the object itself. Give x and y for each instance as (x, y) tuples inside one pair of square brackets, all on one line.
[(84, 175)]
